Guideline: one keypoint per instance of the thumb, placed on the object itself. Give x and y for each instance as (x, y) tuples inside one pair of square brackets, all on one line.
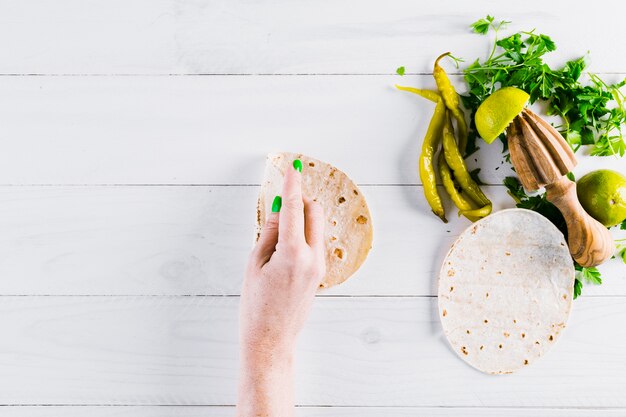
[(266, 245)]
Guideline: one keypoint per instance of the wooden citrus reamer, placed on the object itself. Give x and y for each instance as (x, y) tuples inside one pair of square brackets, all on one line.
[(542, 158)]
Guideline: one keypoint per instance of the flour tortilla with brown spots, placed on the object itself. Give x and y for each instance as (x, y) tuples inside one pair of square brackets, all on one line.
[(505, 290), (348, 229)]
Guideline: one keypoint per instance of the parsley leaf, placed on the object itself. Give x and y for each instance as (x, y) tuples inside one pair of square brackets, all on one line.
[(514, 189), (620, 249), (400, 71), (623, 225), (578, 288), (609, 145), (481, 26), (590, 275), (474, 174), (622, 253)]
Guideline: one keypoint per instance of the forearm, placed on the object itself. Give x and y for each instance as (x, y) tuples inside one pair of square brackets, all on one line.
[(265, 382), (284, 271)]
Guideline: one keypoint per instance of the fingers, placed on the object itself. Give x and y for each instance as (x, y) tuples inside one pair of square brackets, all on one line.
[(291, 226), (266, 245), (314, 224)]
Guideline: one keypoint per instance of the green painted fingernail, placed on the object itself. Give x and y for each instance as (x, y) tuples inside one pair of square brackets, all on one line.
[(297, 165), (278, 202)]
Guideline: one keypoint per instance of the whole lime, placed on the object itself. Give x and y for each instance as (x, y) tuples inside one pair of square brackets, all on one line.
[(602, 193)]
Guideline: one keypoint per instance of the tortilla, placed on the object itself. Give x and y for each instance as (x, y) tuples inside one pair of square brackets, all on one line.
[(348, 230), (505, 290)]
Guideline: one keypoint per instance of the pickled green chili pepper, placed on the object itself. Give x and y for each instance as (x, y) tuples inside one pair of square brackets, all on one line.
[(427, 94), (451, 99), (478, 213), (464, 206), (451, 165), (455, 161), (426, 160)]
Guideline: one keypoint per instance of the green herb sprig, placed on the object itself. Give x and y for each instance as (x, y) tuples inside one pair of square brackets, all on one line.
[(592, 114), (590, 275)]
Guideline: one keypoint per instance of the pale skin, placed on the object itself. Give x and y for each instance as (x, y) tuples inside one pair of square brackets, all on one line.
[(284, 271)]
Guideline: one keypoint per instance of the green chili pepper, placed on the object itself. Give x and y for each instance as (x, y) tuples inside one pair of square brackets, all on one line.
[(478, 213), (427, 94), (451, 99), (431, 142), (426, 160), (455, 161), (464, 206)]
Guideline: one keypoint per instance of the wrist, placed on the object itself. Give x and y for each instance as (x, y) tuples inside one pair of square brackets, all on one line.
[(266, 380), (271, 352), (266, 364)]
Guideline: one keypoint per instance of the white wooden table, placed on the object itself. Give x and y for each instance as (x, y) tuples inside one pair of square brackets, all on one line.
[(133, 137)]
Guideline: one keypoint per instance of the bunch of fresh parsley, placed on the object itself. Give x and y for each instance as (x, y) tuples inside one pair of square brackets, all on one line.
[(592, 114), (541, 205)]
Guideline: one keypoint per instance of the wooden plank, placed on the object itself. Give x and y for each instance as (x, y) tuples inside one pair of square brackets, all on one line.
[(271, 36), (229, 411), (217, 130), (195, 240), (353, 352)]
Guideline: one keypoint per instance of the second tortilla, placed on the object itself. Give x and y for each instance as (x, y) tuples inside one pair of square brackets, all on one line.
[(505, 290)]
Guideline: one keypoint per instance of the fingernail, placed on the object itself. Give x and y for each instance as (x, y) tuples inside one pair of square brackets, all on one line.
[(297, 165), (278, 202)]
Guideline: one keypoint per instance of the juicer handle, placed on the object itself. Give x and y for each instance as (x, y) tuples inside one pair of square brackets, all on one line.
[(590, 242)]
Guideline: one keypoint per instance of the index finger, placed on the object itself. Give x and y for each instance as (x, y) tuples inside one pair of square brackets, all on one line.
[(291, 224)]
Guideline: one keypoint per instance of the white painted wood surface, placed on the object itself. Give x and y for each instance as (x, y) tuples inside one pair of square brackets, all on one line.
[(182, 240), (354, 351), (228, 411), (271, 36), (218, 129), (127, 190)]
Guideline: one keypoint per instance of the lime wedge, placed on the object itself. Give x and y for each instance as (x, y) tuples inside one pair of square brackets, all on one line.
[(498, 111)]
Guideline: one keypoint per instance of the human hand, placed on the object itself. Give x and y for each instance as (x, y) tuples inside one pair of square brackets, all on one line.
[(284, 270)]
